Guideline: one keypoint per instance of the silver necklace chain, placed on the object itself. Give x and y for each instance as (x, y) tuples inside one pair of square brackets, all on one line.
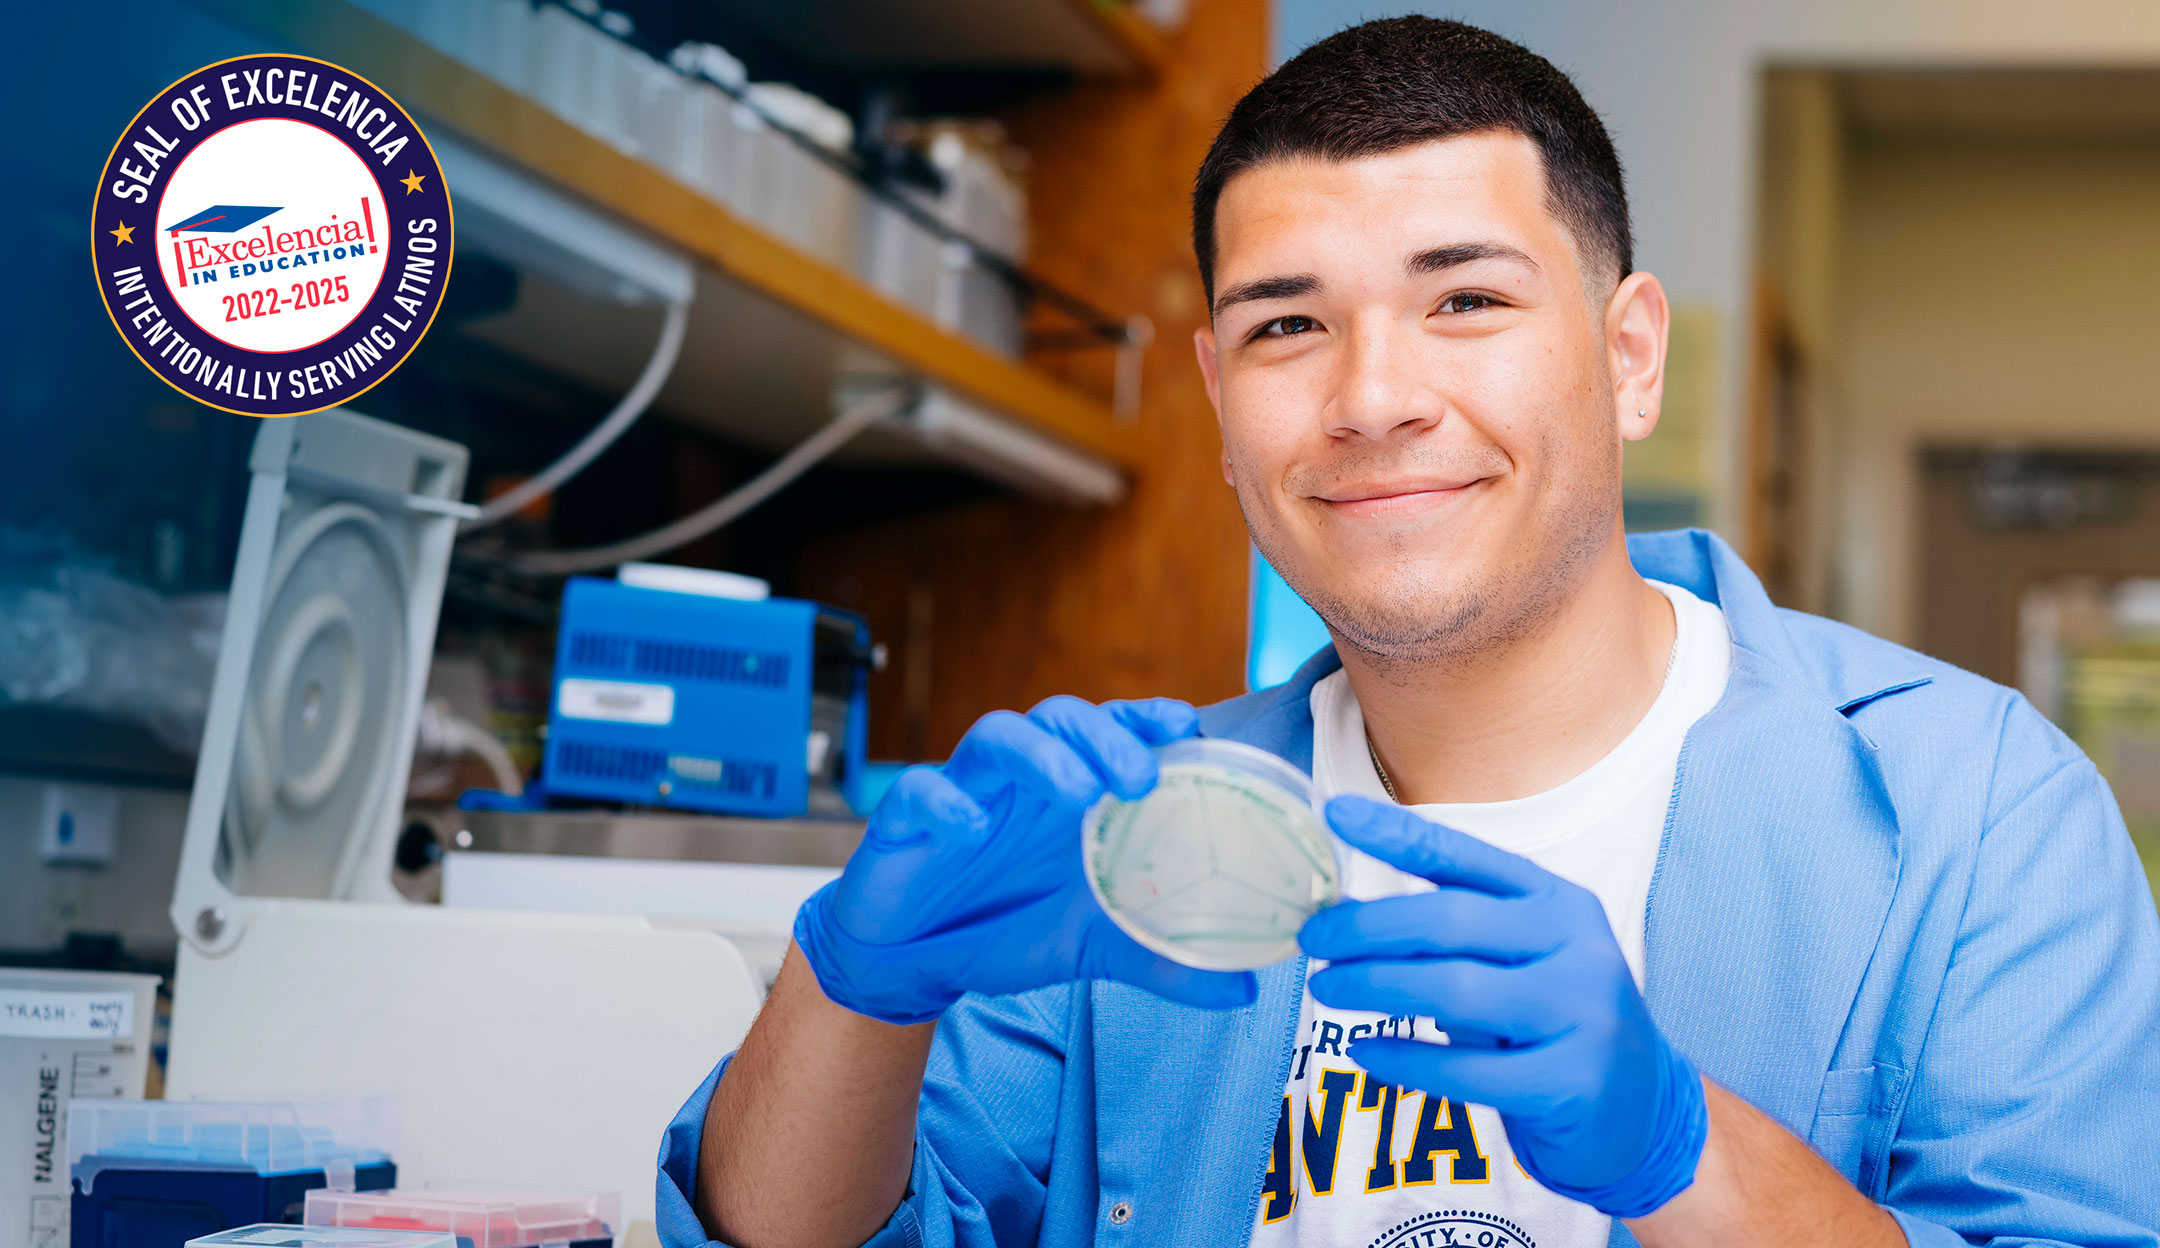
[(1377, 766), (1387, 784)]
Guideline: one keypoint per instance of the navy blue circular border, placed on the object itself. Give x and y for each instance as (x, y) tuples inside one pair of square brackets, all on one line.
[(1504, 1234), (400, 204)]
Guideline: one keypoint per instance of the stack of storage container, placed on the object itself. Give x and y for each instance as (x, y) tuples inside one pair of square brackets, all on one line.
[(775, 155), (153, 1174), (272, 1235), (479, 1219), (982, 201)]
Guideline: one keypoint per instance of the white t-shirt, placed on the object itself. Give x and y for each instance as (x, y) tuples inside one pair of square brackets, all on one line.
[(1363, 1165)]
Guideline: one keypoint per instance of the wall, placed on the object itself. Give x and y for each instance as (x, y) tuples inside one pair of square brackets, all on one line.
[(42, 902), (1676, 81), (1991, 292)]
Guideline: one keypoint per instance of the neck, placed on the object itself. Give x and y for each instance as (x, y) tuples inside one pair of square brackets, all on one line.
[(1528, 714)]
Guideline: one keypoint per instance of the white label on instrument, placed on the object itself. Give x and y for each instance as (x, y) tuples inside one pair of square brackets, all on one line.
[(67, 1015), (616, 701)]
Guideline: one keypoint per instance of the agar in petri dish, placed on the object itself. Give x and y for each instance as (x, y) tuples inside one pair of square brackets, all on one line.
[(1220, 864)]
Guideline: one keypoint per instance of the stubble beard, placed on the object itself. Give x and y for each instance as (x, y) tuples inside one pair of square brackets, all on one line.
[(1418, 623)]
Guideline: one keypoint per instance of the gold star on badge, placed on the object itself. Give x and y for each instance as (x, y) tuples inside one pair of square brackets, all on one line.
[(412, 181), (125, 234)]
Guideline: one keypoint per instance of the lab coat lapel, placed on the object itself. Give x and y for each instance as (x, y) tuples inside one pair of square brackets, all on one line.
[(1771, 890), (1777, 870)]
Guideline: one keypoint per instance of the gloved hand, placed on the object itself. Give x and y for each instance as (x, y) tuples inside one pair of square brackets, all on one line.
[(1545, 1024), (969, 876)]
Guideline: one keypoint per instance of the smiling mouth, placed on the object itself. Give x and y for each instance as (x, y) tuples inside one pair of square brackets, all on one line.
[(1394, 500)]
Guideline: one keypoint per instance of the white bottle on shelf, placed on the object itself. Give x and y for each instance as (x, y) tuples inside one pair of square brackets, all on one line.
[(899, 257), (985, 202), (804, 199), (659, 100), (705, 157), (556, 75), (584, 75), (749, 180), (941, 278), (707, 150), (616, 85), (505, 31)]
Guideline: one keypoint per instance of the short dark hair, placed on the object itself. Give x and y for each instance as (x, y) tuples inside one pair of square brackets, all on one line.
[(1400, 81)]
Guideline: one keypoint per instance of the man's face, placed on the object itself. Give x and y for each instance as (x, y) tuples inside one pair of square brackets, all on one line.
[(1416, 400)]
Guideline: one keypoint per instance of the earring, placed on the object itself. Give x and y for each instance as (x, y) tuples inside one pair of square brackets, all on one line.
[(1642, 411)]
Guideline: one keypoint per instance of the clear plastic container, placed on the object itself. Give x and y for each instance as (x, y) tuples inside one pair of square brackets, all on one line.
[(707, 156), (276, 1235), (268, 1137), (985, 202), (489, 1219), (1221, 863), (787, 189)]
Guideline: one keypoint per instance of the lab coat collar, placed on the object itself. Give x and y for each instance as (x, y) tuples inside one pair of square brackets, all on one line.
[(1842, 677)]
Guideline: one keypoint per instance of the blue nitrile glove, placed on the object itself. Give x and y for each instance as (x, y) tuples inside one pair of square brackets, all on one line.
[(1520, 968), (969, 877)]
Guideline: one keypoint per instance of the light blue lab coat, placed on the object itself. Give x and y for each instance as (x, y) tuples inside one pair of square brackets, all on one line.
[(1894, 908)]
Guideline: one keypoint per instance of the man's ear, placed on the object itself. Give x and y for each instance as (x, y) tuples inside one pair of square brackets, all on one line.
[(1637, 321), (1203, 341)]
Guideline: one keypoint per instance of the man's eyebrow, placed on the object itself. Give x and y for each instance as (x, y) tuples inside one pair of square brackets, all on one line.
[(1435, 259), (1288, 287)]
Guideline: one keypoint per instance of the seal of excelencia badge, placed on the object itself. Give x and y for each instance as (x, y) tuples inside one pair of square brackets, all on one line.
[(272, 235)]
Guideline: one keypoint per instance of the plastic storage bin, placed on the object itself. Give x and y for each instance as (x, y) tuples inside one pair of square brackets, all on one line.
[(983, 201), (787, 189), (706, 156), (483, 1219), (577, 70), (275, 1235), (152, 1174)]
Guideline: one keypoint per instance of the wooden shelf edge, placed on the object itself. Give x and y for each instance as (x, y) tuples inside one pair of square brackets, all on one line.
[(1139, 39), (431, 82)]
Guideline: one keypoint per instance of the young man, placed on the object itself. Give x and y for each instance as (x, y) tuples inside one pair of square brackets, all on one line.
[(1742, 928)]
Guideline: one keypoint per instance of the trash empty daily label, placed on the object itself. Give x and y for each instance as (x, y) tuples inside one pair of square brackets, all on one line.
[(617, 701), (67, 1015)]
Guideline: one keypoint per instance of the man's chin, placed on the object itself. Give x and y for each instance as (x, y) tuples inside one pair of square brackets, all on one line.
[(1407, 627)]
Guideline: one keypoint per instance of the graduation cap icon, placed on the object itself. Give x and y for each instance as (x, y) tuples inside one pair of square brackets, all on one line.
[(222, 219)]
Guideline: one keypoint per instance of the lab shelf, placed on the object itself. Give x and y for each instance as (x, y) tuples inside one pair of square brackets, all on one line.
[(661, 835), (773, 326), (1088, 38)]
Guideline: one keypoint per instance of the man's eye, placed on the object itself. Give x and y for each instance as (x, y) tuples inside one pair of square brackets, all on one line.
[(1466, 301), (1284, 326)]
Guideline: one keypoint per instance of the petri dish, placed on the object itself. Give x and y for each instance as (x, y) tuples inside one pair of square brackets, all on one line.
[(1221, 863)]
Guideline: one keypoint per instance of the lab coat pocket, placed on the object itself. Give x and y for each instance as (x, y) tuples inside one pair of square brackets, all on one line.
[(1855, 1117)]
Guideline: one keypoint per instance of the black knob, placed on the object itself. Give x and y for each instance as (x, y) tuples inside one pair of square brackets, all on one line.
[(418, 847)]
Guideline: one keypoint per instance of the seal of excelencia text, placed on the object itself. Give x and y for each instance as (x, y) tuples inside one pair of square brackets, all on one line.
[(272, 235)]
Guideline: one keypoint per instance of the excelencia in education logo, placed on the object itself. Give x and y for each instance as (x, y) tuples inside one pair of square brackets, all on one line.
[(272, 235)]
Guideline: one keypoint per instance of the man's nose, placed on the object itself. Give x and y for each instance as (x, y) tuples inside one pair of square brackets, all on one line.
[(1382, 384)]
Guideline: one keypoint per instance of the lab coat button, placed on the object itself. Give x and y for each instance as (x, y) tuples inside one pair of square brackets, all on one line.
[(1121, 1213)]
